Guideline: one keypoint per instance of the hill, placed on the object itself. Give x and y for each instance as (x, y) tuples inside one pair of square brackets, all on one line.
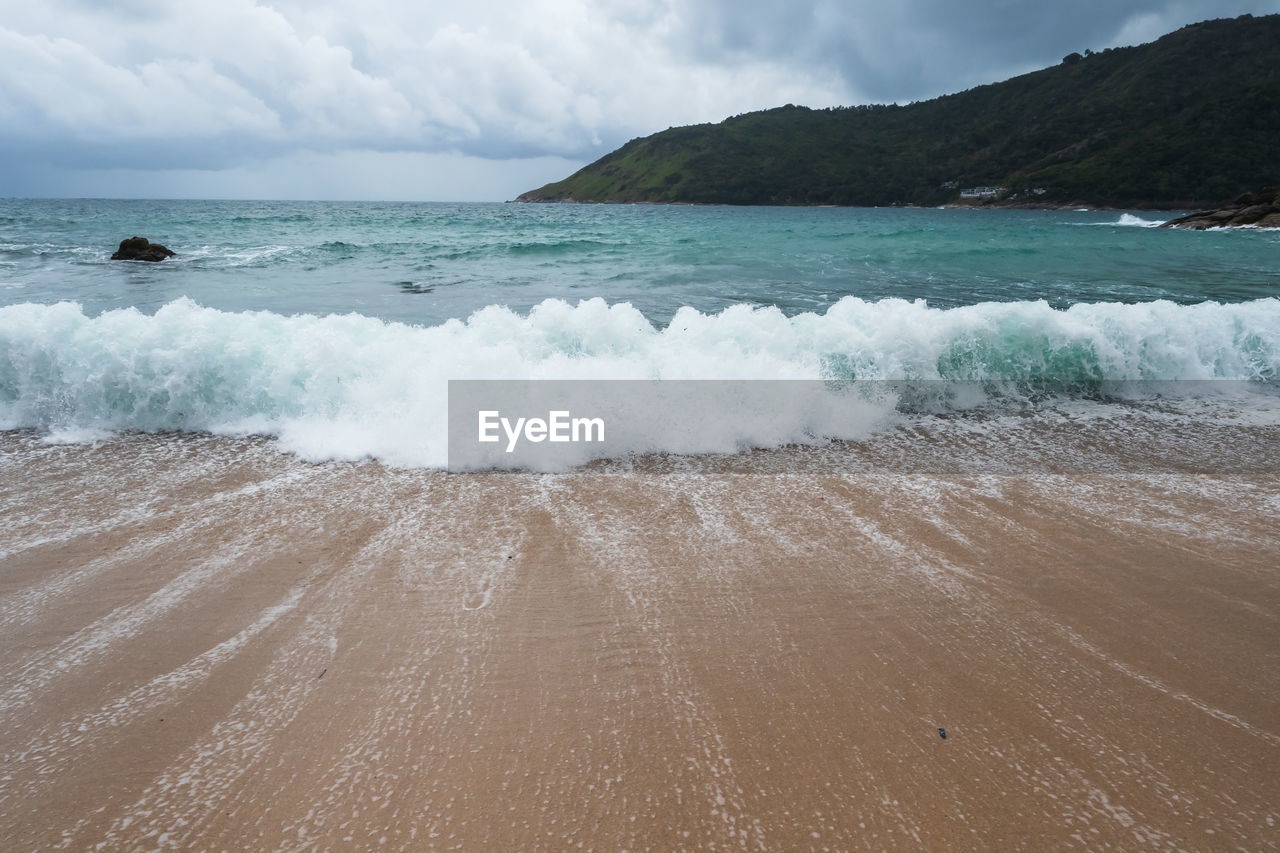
[(1191, 119)]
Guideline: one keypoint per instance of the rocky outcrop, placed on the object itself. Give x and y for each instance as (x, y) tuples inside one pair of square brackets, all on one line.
[(141, 249), (1260, 209)]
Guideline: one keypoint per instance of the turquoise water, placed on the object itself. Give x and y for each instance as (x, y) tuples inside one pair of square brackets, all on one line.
[(336, 327), (426, 263)]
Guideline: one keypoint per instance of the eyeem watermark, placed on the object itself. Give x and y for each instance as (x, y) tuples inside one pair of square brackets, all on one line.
[(543, 425), (559, 426)]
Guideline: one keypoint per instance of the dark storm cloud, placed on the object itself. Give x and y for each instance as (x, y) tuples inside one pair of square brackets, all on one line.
[(917, 49)]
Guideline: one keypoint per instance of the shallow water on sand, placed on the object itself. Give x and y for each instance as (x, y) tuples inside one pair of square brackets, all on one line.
[(754, 651)]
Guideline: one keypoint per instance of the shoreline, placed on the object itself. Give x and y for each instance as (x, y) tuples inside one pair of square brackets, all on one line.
[(756, 651), (1030, 205)]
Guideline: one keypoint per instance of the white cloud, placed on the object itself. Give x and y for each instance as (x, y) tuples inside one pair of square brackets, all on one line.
[(59, 87), (487, 78)]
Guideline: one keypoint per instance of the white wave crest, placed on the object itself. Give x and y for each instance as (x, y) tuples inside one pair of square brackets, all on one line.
[(347, 387), (1138, 222)]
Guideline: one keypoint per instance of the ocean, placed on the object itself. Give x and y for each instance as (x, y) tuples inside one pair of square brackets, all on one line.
[(990, 562), (335, 327)]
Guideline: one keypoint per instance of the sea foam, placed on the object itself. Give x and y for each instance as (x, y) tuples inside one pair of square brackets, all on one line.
[(1138, 222), (351, 386)]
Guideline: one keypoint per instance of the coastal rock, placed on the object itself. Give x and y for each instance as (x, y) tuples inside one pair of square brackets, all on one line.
[(1261, 209), (141, 249)]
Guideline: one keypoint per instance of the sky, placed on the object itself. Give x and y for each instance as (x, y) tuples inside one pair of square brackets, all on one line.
[(473, 100)]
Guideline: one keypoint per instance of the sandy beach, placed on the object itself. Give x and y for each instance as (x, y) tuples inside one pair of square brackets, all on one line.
[(208, 644)]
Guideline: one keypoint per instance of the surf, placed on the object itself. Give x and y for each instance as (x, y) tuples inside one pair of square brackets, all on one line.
[(351, 386)]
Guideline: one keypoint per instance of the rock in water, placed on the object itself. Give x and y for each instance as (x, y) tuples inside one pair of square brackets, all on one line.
[(141, 249), (1261, 209)]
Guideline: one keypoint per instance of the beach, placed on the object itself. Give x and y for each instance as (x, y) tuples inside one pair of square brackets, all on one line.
[(407, 445), (210, 644)]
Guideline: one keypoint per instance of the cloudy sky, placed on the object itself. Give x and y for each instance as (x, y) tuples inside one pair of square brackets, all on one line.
[(473, 99)]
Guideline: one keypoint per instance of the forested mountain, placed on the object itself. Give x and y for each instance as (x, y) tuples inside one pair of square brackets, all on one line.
[(1190, 119)]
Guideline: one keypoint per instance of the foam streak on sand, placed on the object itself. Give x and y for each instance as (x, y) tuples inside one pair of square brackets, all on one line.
[(754, 652)]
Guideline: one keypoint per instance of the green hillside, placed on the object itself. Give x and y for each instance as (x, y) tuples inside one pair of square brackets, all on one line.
[(1188, 120)]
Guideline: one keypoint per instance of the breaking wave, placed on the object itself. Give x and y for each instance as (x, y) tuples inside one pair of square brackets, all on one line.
[(1138, 221), (351, 386)]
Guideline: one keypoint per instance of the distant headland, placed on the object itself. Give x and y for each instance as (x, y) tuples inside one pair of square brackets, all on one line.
[(1188, 121)]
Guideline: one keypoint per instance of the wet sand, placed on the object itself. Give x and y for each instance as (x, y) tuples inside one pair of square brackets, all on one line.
[(207, 644)]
